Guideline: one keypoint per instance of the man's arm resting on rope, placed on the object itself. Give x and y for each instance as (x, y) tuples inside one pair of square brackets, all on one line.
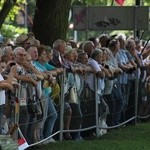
[(26, 78)]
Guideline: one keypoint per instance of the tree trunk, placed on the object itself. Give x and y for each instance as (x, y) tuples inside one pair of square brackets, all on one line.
[(8, 5), (51, 20)]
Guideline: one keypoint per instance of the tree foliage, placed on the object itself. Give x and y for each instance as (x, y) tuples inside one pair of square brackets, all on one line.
[(6, 8), (9, 9)]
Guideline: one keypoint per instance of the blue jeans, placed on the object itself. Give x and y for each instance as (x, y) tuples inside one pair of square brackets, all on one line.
[(50, 120), (119, 103), (131, 99), (123, 88)]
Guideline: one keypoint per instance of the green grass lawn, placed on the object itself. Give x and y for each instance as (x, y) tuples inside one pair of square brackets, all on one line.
[(135, 137)]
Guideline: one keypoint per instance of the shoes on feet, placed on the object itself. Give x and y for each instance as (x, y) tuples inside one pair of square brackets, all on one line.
[(51, 140), (79, 139), (67, 136)]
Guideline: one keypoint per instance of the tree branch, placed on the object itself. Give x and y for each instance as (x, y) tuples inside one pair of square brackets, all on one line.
[(8, 5)]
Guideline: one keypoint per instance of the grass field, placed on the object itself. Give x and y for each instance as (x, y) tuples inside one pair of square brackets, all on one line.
[(135, 137)]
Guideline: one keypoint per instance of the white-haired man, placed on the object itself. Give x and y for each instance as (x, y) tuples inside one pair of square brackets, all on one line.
[(24, 79)]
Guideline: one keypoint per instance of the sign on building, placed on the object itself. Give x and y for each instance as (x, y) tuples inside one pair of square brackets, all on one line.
[(111, 18)]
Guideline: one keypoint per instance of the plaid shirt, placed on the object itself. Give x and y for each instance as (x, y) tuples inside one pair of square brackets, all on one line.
[(57, 60)]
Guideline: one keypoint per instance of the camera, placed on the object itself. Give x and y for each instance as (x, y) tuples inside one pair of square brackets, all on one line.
[(12, 64)]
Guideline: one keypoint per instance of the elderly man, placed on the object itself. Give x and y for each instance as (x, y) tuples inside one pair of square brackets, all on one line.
[(19, 59), (23, 40), (136, 62), (88, 47), (58, 52)]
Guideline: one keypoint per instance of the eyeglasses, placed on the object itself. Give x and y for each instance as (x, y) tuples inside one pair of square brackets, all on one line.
[(21, 55), (83, 57), (113, 43), (27, 43), (29, 60)]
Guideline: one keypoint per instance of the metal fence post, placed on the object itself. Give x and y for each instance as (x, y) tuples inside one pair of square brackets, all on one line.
[(136, 95), (62, 105), (96, 107)]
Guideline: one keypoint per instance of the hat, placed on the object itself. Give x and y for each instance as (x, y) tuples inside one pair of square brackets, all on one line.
[(69, 49), (21, 39)]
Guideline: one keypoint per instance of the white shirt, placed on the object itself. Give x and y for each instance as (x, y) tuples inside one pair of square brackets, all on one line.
[(91, 78), (2, 93)]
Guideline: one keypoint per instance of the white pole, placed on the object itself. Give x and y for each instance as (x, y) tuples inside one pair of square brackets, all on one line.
[(75, 35)]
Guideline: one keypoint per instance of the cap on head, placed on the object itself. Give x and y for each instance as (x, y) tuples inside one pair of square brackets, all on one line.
[(68, 49), (21, 39)]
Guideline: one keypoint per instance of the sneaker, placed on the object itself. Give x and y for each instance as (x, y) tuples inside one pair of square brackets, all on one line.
[(45, 142), (67, 136), (51, 140), (79, 139)]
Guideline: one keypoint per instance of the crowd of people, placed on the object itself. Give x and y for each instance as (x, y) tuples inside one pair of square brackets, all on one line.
[(31, 73)]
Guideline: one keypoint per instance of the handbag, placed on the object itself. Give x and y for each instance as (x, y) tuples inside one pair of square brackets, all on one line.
[(35, 106), (71, 96), (55, 94)]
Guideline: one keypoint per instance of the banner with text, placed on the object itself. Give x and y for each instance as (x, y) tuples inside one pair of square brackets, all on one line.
[(111, 18)]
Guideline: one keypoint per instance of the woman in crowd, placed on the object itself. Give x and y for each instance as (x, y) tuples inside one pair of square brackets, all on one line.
[(50, 111), (72, 104)]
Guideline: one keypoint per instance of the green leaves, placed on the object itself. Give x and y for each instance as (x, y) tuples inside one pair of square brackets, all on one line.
[(10, 31)]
